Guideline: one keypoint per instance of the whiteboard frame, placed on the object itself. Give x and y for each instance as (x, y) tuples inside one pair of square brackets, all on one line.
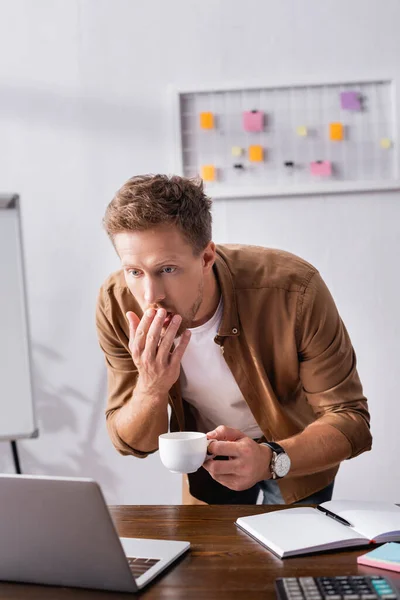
[(12, 202), (323, 187)]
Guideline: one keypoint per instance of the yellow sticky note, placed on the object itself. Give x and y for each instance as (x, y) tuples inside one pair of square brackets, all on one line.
[(301, 130), (208, 172), (336, 132), (256, 153), (236, 151), (207, 120), (386, 143)]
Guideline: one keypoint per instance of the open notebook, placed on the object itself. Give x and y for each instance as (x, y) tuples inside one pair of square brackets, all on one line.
[(302, 530)]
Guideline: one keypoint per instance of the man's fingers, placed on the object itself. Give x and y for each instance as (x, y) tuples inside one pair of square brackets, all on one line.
[(223, 448), (133, 321), (226, 434), (154, 333), (165, 346), (221, 467), (141, 330), (180, 348)]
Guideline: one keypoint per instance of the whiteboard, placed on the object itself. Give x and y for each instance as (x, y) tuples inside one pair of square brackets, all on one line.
[(17, 413), (295, 137)]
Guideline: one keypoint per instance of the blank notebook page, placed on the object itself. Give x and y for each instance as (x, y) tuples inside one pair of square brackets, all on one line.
[(297, 528), (368, 518)]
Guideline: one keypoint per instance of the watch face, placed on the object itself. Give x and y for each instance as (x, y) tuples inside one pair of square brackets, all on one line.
[(282, 465)]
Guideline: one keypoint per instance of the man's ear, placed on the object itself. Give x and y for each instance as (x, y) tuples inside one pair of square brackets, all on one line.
[(208, 257)]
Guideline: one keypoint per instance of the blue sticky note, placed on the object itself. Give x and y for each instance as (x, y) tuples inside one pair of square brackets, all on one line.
[(384, 557), (389, 551)]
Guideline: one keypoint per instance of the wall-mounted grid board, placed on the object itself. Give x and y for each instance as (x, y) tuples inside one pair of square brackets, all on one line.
[(358, 161)]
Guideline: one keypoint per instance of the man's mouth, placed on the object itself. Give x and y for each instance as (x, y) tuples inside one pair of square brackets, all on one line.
[(168, 319)]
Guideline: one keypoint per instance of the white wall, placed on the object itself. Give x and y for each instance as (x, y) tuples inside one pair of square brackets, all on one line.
[(84, 106)]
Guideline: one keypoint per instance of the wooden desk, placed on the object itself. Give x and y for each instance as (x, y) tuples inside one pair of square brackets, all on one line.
[(223, 562)]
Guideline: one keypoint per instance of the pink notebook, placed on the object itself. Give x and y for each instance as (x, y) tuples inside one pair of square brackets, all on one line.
[(384, 557)]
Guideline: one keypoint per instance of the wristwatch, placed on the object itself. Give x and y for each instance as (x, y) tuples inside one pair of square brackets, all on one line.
[(280, 461)]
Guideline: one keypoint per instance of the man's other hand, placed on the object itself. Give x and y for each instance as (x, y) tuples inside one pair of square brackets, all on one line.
[(247, 462)]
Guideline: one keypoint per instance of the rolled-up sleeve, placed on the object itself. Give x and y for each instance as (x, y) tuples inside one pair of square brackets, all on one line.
[(328, 367), (121, 371)]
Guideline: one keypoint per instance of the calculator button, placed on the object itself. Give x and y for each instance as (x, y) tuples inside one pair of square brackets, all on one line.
[(294, 593), (292, 589), (358, 587)]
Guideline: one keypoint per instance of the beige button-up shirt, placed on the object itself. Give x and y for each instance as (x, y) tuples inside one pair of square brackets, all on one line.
[(282, 338)]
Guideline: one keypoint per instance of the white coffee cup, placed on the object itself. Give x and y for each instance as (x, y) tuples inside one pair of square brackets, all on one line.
[(183, 451)]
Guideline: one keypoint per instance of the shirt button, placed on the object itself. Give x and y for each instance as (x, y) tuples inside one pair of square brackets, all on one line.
[(234, 330)]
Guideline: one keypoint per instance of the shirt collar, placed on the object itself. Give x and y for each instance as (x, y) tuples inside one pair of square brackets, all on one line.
[(230, 318)]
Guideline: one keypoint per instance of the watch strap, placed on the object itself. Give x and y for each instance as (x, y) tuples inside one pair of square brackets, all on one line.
[(275, 447), (276, 451)]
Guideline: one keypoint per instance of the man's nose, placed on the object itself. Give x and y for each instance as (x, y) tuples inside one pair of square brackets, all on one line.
[(153, 293)]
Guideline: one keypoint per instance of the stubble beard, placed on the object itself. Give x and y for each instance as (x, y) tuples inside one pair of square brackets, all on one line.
[(187, 320)]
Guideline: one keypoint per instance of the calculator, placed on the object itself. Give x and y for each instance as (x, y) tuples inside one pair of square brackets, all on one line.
[(352, 587)]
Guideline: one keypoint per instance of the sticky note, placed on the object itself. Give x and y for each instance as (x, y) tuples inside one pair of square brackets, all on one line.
[(236, 151), (384, 557), (336, 132), (253, 120), (208, 173), (350, 100), (385, 143), (322, 168), (256, 153), (301, 130), (207, 120)]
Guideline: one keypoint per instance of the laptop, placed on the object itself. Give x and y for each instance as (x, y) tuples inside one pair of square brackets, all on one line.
[(58, 531)]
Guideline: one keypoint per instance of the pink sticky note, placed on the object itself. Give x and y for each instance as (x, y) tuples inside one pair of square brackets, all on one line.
[(253, 120), (350, 100), (322, 168)]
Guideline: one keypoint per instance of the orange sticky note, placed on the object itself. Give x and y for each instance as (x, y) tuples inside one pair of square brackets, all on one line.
[(207, 120), (336, 132), (256, 153), (208, 172)]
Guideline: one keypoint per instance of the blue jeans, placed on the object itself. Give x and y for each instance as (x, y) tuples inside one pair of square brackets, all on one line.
[(272, 494)]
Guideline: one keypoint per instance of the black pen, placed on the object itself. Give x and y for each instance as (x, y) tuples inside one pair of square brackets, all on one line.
[(333, 516)]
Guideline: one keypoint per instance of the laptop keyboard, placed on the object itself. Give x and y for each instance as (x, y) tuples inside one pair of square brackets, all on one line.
[(138, 566)]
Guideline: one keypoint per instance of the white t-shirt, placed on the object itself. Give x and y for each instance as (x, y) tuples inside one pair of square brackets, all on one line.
[(209, 386)]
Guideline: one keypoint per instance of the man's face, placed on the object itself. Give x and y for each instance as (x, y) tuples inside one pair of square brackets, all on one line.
[(162, 271)]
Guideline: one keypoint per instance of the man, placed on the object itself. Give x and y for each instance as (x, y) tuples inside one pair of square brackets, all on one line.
[(243, 342)]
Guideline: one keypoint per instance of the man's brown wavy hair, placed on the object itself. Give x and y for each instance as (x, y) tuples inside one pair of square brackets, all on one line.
[(146, 201)]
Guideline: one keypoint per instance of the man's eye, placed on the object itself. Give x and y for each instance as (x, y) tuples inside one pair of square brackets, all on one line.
[(133, 273), (168, 270)]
